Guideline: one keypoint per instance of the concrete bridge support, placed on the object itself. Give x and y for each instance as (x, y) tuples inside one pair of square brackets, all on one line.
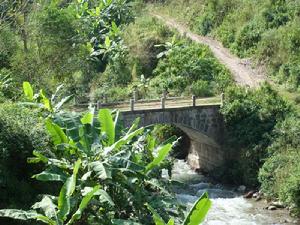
[(202, 124)]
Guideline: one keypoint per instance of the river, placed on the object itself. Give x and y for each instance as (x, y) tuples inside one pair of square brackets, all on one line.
[(228, 206)]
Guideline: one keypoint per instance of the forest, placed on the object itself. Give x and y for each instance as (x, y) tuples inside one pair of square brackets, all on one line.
[(70, 167)]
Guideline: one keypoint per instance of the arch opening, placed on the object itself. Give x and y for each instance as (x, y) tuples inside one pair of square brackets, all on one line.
[(165, 131)]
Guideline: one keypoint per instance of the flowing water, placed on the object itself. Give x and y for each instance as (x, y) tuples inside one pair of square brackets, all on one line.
[(228, 206)]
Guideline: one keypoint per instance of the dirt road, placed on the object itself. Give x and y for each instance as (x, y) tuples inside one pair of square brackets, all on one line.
[(241, 70)]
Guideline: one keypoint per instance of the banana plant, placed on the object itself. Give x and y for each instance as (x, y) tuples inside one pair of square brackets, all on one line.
[(57, 210), (5, 82), (7, 86), (168, 47), (195, 217), (40, 99), (114, 171)]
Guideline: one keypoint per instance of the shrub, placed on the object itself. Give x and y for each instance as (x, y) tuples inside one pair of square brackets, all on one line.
[(279, 175), (201, 89), (111, 94), (88, 151), (141, 38), (8, 46), (175, 85), (206, 23), (276, 13), (214, 13), (250, 117), (290, 72), (21, 132), (226, 34), (187, 63), (248, 37)]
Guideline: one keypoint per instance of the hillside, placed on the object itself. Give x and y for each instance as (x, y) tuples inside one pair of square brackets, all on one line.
[(56, 55), (264, 34)]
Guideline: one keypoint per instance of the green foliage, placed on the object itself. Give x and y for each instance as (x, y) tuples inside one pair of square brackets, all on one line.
[(264, 30), (142, 37), (139, 59), (111, 93), (198, 211), (250, 117), (8, 46), (188, 63), (40, 100), (28, 91), (160, 61), (276, 13), (7, 86), (248, 37), (213, 14), (194, 217), (21, 132), (89, 151), (279, 175), (49, 43), (201, 89)]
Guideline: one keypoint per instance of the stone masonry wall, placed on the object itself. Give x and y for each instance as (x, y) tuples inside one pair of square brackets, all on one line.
[(203, 124)]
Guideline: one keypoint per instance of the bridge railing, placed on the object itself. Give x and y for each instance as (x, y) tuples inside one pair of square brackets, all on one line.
[(162, 103)]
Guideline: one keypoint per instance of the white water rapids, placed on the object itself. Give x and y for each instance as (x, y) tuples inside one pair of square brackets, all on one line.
[(228, 207)]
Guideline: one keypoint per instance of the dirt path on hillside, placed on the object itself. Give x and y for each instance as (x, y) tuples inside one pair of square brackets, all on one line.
[(241, 69)]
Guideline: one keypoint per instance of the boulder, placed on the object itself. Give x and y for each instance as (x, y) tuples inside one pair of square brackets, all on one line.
[(272, 207), (249, 194), (278, 204)]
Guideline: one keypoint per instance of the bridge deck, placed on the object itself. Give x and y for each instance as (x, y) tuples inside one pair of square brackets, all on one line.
[(154, 104), (170, 103)]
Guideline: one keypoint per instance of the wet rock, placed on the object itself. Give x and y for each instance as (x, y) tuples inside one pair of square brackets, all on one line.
[(242, 188), (258, 198), (249, 194), (287, 221), (201, 185), (272, 207), (277, 204)]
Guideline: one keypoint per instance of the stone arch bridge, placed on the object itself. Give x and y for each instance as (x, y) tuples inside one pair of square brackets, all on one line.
[(201, 122)]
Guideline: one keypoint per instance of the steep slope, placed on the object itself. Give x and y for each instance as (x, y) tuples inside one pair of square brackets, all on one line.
[(242, 71)]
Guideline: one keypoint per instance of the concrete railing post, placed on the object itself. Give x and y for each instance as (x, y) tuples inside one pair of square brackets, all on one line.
[(163, 102), (132, 104), (165, 94), (194, 100), (135, 96), (222, 99)]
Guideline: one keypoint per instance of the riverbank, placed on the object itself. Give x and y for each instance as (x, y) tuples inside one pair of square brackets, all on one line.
[(229, 206)]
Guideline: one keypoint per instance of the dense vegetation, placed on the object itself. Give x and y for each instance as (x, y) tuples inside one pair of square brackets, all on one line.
[(92, 166), (110, 174), (154, 54), (262, 128), (96, 171), (262, 141), (92, 50), (50, 42), (266, 31)]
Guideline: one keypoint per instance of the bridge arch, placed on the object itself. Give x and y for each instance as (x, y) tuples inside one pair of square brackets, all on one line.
[(202, 124)]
